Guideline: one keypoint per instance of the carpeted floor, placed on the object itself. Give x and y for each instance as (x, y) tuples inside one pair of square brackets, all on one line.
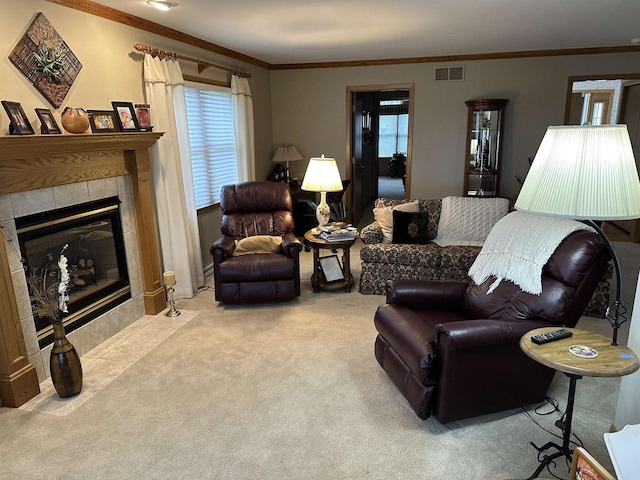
[(281, 391)]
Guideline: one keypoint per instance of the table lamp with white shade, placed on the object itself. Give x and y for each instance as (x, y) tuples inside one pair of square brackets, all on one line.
[(586, 173), (322, 176), (287, 153)]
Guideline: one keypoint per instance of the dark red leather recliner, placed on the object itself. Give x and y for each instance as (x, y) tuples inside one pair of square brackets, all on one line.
[(248, 209), (454, 351)]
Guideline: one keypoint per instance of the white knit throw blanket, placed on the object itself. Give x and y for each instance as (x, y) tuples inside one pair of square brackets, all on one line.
[(518, 247), (468, 220)]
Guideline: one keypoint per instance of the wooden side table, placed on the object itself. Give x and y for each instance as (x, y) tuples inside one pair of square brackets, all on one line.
[(612, 361), (317, 278)]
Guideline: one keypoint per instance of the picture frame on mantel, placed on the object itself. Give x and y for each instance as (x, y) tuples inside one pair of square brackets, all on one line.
[(126, 115), (103, 121), (19, 123), (48, 124)]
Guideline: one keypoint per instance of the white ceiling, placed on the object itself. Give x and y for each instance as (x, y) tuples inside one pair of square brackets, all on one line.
[(303, 31)]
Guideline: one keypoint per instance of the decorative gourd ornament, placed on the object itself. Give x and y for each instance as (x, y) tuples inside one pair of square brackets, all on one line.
[(75, 120)]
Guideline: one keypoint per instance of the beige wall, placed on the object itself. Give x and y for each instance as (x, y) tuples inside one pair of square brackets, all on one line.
[(112, 70), (309, 110), (308, 107)]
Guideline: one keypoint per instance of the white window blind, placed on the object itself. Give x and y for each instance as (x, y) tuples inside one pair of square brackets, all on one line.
[(211, 139)]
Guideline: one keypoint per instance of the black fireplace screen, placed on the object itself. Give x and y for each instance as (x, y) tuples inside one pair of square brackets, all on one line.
[(96, 256)]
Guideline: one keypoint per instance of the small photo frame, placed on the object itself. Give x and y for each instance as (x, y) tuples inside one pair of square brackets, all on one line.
[(103, 121), (48, 124), (19, 123), (586, 467), (126, 116), (331, 268), (143, 112)]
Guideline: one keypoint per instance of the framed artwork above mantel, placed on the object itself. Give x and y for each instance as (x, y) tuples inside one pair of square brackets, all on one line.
[(45, 59)]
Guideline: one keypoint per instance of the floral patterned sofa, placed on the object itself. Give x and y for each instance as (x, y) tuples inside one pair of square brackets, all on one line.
[(381, 261)]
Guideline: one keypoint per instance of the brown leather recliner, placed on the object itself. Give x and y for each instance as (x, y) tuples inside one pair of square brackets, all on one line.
[(453, 350), (249, 209)]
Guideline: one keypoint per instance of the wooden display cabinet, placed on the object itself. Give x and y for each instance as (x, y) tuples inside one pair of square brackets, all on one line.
[(485, 122)]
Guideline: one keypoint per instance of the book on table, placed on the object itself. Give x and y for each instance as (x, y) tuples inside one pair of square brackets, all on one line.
[(337, 237), (338, 232)]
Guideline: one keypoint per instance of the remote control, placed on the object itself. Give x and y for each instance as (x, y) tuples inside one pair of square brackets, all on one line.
[(550, 336)]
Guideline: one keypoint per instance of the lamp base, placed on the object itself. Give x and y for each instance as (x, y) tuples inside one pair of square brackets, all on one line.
[(323, 212)]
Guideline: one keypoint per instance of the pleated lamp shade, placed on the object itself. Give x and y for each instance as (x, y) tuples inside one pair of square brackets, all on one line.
[(583, 172), (322, 176)]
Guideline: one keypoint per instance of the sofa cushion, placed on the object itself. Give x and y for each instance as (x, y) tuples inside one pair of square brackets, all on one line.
[(468, 220), (427, 255), (430, 206), (458, 256), (265, 267), (410, 227), (384, 217)]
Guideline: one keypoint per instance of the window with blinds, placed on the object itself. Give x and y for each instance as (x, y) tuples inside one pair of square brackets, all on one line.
[(213, 153)]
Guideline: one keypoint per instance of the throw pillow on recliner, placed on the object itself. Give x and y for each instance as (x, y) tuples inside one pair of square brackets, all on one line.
[(410, 227), (258, 244)]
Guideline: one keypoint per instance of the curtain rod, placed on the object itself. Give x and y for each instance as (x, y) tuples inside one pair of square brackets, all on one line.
[(156, 52)]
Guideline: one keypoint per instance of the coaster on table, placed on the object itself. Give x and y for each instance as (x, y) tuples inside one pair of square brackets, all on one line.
[(583, 351)]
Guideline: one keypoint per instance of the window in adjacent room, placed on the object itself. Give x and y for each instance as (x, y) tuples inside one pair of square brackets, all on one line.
[(211, 140), (393, 127)]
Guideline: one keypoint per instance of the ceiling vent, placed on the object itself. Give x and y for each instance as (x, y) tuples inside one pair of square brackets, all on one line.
[(445, 74)]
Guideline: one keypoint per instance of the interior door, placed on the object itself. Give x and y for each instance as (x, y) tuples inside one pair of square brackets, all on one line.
[(364, 161), (362, 152), (356, 158)]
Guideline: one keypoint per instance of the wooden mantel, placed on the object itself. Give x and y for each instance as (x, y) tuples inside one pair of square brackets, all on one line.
[(39, 161)]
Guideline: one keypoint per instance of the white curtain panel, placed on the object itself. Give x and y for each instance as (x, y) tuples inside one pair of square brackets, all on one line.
[(172, 177), (242, 105)]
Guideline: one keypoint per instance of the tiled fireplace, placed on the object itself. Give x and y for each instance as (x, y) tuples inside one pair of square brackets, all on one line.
[(21, 204), (47, 172)]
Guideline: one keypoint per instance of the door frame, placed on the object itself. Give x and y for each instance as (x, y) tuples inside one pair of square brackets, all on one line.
[(351, 171)]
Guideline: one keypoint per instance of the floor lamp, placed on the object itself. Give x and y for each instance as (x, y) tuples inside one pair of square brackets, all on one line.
[(586, 173)]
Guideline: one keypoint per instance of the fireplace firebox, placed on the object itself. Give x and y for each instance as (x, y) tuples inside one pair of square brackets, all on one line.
[(96, 257)]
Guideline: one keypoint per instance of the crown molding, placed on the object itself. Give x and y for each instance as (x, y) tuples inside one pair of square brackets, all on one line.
[(460, 58), (109, 13)]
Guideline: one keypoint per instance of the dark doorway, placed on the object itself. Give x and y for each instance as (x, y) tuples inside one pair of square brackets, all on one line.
[(362, 142)]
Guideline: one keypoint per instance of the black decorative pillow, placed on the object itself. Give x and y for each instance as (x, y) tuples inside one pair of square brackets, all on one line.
[(410, 227)]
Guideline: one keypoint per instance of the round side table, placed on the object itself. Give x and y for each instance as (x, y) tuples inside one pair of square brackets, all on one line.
[(612, 361), (317, 278)]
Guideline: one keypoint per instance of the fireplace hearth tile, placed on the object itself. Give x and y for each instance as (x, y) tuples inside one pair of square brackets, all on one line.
[(32, 201), (6, 211), (30, 337), (109, 360), (126, 213), (11, 244), (124, 184), (36, 361), (102, 188), (131, 251), (125, 314), (93, 334), (135, 281), (22, 294), (71, 194)]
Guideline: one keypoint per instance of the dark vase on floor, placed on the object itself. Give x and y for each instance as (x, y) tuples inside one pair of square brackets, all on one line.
[(66, 369)]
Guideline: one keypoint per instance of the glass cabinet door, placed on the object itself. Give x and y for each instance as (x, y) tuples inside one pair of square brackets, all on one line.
[(484, 130)]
